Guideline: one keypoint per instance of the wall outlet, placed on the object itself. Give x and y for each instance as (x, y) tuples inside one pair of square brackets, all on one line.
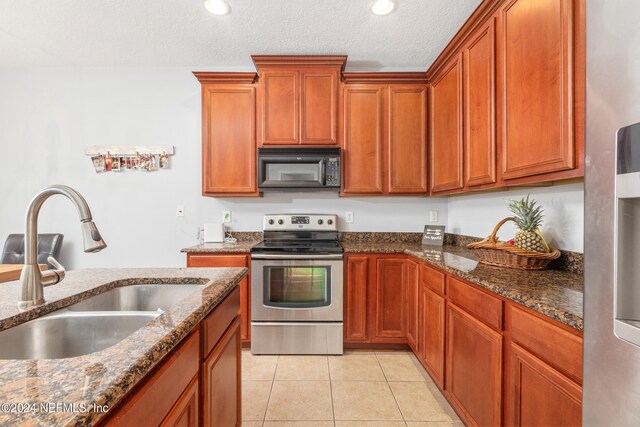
[(179, 210), (226, 216), (433, 216), (348, 217)]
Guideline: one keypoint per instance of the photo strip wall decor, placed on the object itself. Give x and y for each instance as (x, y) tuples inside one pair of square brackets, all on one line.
[(122, 158)]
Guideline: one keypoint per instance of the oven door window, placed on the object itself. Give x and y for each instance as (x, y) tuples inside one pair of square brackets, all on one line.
[(297, 287)]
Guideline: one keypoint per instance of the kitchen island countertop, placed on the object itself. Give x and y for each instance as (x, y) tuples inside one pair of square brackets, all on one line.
[(34, 392)]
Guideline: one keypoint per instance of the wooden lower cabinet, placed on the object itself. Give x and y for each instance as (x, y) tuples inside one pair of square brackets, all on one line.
[(230, 260), (221, 381), (185, 413), (413, 293), (474, 368), (356, 293), (432, 333), (537, 394), (197, 384)]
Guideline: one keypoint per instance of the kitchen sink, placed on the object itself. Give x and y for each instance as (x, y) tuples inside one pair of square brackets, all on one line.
[(64, 334), (137, 298)]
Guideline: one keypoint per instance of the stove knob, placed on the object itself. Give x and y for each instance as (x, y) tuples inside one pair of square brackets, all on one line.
[(329, 221), (320, 222), (280, 222), (270, 222)]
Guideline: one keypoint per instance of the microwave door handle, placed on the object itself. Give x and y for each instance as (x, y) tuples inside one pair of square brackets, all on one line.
[(322, 172)]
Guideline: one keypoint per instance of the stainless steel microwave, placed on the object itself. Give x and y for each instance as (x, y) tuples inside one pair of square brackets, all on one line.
[(298, 169)]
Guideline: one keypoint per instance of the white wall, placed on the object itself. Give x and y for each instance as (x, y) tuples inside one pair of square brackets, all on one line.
[(476, 215), (47, 117)]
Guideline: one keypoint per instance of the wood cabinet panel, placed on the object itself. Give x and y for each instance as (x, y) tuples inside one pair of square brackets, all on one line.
[(363, 137), (559, 348), (485, 307), (389, 301), (536, 48), (319, 102), (228, 132), (155, 397), (185, 412), (221, 381), (356, 298), (474, 368), (407, 170), (433, 279), (279, 107), (432, 333), (412, 289), (216, 323), (479, 107), (539, 395), (445, 112)]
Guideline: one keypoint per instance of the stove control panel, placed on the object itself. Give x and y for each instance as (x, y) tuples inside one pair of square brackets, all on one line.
[(294, 222)]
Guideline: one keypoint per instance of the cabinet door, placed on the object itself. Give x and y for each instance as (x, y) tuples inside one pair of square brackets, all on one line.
[(228, 132), (279, 107), (201, 260), (445, 112), (356, 297), (537, 394), (412, 287), (362, 143), (479, 107), (389, 300), (407, 139), (536, 39), (221, 381), (185, 412), (319, 107), (432, 333), (474, 368)]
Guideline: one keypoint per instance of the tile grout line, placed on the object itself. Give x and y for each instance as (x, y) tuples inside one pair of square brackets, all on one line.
[(391, 390), (333, 409), (273, 380)]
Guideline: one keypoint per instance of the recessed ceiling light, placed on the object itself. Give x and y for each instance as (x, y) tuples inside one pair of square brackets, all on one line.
[(383, 7), (217, 7)]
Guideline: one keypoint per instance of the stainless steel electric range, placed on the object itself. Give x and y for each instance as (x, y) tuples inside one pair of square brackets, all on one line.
[(296, 286)]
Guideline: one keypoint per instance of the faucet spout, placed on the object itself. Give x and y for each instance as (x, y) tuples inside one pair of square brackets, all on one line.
[(31, 277)]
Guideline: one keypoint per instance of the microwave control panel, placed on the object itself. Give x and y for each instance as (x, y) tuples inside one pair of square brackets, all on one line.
[(332, 173)]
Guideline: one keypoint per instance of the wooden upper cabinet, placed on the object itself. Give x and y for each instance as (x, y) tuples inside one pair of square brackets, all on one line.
[(536, 49), (363, 143), (384, 134), (446, 127), (407, 139), (298, 99), (279, 106), (479, 107), (319, 102), (228, 132)]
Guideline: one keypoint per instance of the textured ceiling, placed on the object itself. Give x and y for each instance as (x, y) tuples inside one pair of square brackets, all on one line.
[(183, 33)]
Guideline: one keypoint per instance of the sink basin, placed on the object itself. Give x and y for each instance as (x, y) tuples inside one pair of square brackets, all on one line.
[(137, 298), (67, 334)]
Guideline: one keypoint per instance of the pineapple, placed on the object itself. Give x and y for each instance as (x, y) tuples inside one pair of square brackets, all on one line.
[(528, 218)]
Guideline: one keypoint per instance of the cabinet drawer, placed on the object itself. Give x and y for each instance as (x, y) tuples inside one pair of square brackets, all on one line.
[(482, 305), (214, 325), (197, 260), (560, 348), (433, 279), (151, 403)]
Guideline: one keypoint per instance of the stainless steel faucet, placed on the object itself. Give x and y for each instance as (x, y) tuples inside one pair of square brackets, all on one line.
[(32, 279)]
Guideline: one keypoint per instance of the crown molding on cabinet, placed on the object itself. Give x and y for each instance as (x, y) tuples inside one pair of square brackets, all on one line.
[(225, 77), (419, 77), (266, 61)]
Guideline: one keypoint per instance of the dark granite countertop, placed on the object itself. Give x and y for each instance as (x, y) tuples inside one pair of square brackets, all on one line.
[(209, 248), (554, 293), (104, 377)]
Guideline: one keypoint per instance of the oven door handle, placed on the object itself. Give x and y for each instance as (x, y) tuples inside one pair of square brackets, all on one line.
[(293, 256)]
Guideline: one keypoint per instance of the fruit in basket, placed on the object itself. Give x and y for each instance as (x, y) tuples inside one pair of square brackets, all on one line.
[(528, 217)]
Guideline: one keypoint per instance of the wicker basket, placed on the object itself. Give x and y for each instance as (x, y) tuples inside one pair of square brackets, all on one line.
[(491, 251)]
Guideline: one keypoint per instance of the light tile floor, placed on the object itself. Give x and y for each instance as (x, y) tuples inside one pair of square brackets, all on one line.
[(358, 389)]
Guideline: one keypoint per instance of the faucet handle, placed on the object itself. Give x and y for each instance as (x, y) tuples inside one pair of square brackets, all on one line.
[(51, 277)]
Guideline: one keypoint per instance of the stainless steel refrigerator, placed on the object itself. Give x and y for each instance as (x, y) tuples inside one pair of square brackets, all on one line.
[(611, 386)]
